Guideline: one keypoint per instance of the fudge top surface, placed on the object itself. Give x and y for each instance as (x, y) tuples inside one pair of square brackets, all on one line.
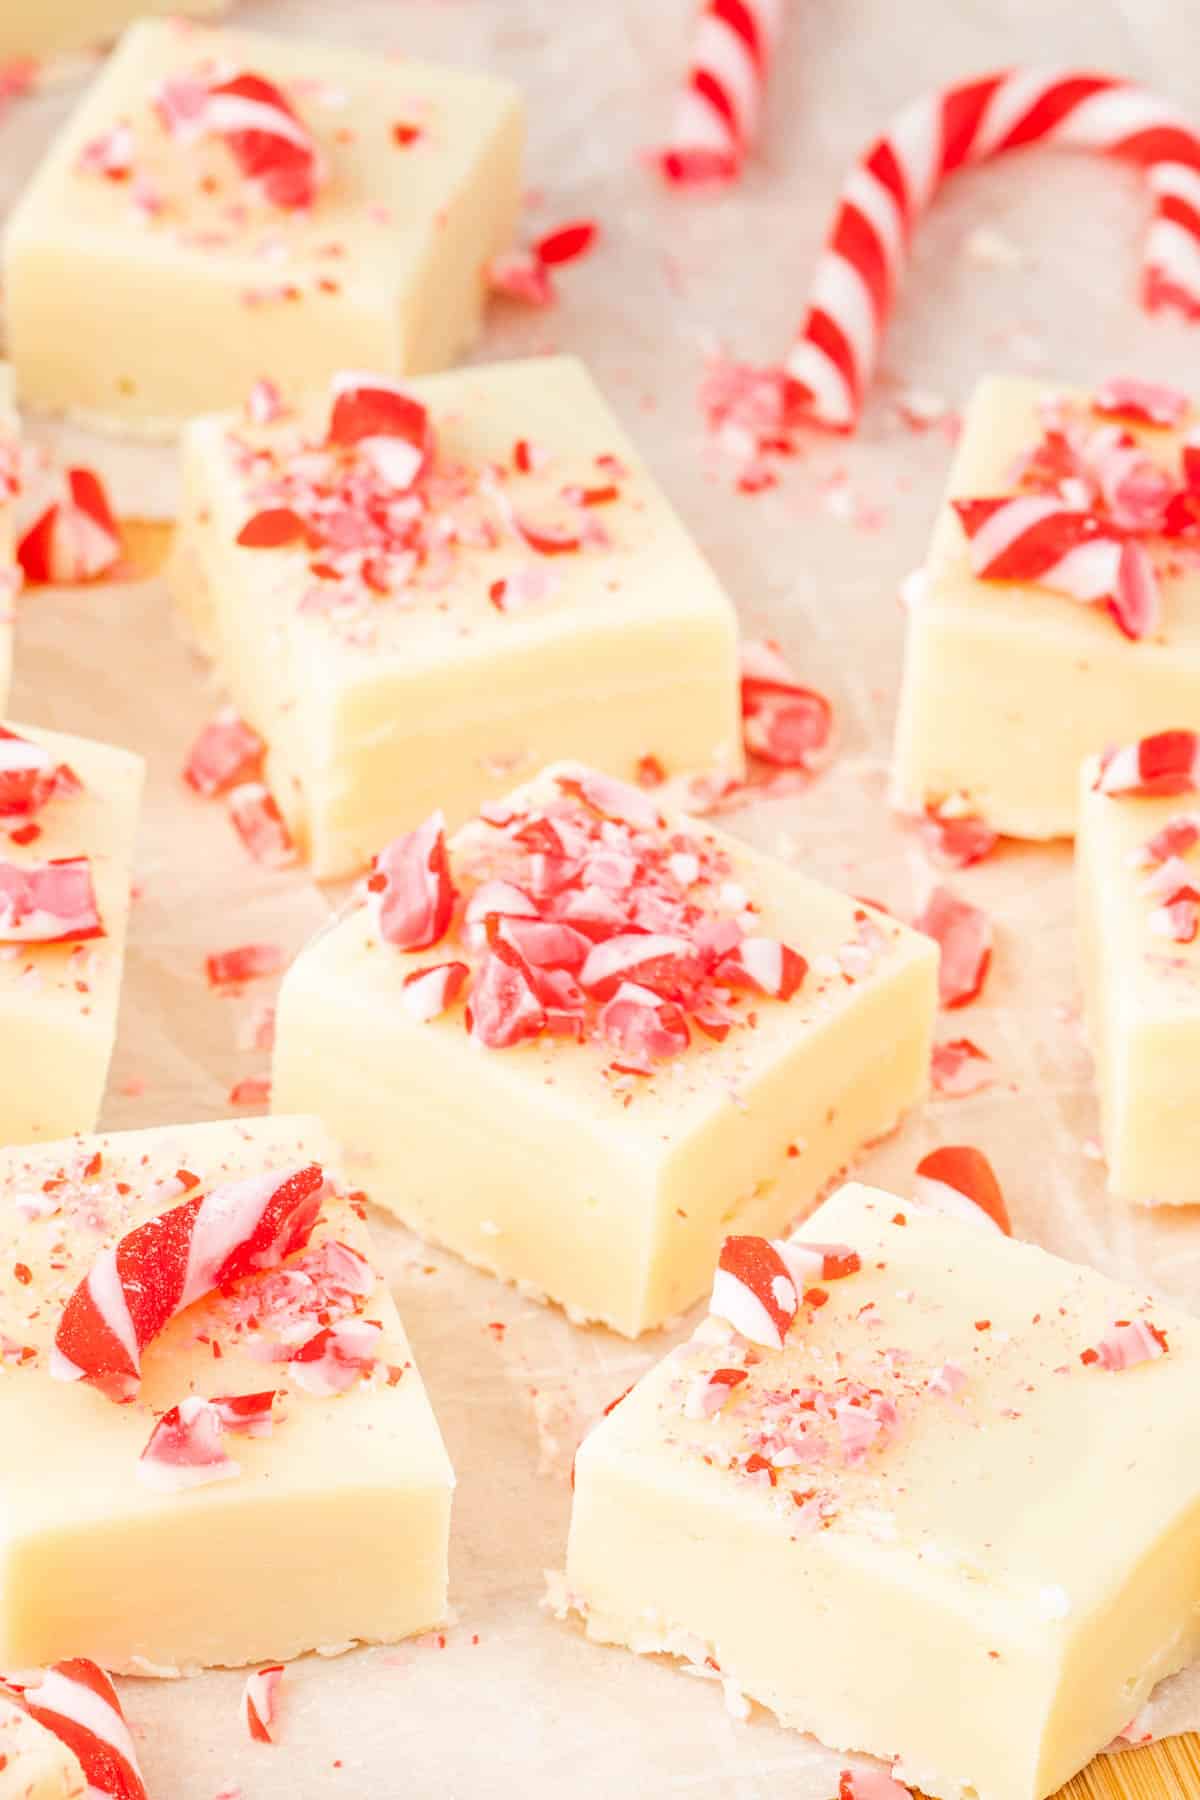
[(396, 142), (531, 516), (934, 1405), (63, 1204), (669, 1040), (1002, 425), (90, 812)]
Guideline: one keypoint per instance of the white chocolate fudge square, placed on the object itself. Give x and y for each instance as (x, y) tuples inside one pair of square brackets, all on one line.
[(63, 801), (1138, 871), (54, 26), (10, 574), (1008, 685), (950, 1515), (498, 583), (619, 1053), (34, 1764), (345, 220), (330, 1528)]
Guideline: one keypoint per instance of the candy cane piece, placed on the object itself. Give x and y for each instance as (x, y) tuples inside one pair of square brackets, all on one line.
[(135, 1288), (707, 1394), (185, 1449), (1165, 763), (30, 777), (753, 1289), (718, 113), (66, 532), (959, 1181), (410, 891), (887, 191), (273, 149), (260, 1702), (963, 934), (78, 1703), (1125, 1344), (49, 903), (226, 752)]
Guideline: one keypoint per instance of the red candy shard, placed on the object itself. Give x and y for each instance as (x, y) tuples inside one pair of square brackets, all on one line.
[(1178, 918), (49, 903), (255, 816), (644, 1026), (959, 1067), (226, 752), (157, 1269), (666, 964), (1127, 1343), (1145, 402), (963, 934), (260, 1702), (66, 529), (503, 1008), (708, 1393), (29, 777), (336, 1358), (959, 1180), (754, 1290), (1166, 763), (765, 965), (271, 529), (247, 1413), (566, 243), (807, 1263), (955, 840), (185, 1449), (783, 722), (427, 993), (410, 887), (77, 1702), (612, 799), (271, 146), (248, 962), (395, 428)]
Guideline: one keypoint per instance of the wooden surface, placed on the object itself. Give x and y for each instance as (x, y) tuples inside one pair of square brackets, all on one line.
[(1163, 1771)]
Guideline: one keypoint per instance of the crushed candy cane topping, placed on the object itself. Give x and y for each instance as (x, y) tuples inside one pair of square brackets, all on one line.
[(1165, 765), (76, 1701), (272, 148), (30, 778), (958, 1180), (49, 902), (260, 1702), (1125, 1344), (580, 914), (186, 1449)]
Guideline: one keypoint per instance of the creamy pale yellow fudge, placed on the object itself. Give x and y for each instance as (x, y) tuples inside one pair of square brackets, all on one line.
[(238, 206), (419, 596), (921, 1490), (54, 26), (274, 1480), (34, 1764), (1138, 868), (582, 1041), (10, 574), (1009, 682), (68, 820)]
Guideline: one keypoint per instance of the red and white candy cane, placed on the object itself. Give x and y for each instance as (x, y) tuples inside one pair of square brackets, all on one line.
[(717, 114), (1164, 764), (78, 1703), (135, 1289), (66, 531), (888, 190), (959, 1181), (754, 1290), (1033, 537), (49, 902)]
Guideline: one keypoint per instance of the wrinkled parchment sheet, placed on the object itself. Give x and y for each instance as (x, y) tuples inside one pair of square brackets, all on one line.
[(516, 1703)]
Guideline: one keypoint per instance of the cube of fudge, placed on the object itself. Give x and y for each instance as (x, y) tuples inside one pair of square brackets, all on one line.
[(1138, 871), (10, 573), (34, 1764), (56, 26), (921, 1490), (238, 206), (274, 1481), (1012, 676), (419, 596), (582, 1040), (68, 820)]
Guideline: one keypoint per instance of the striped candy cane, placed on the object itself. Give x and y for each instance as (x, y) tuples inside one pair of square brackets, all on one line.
[(717, 114), (889, 189), (78, 1703), (135, 1289), (1034, 537)]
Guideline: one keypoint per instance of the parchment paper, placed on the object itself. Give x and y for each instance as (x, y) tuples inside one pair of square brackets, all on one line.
[(515, 1703)]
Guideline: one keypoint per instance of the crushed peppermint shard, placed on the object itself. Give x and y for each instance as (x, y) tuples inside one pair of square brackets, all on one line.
[(226, 752), (77, 1702), (66, 531), (134, 1289), (255, 816), (1141, 402), (959, 1067), (718, 112), (1125, 1344), (963, 934), (754, 1290), (1079, 554), (428, 993), (1164, 764), (783, 722), (393, 428), (410, 891), (870, 1784), (337, 1357), (49, 903), (707, 1394), (524, 275), (896, 179), (1178, 918), (30, 778), (273, 149), (248, 962), (954, 839), (260, 1702), (186, 1449), (959, 1181)]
